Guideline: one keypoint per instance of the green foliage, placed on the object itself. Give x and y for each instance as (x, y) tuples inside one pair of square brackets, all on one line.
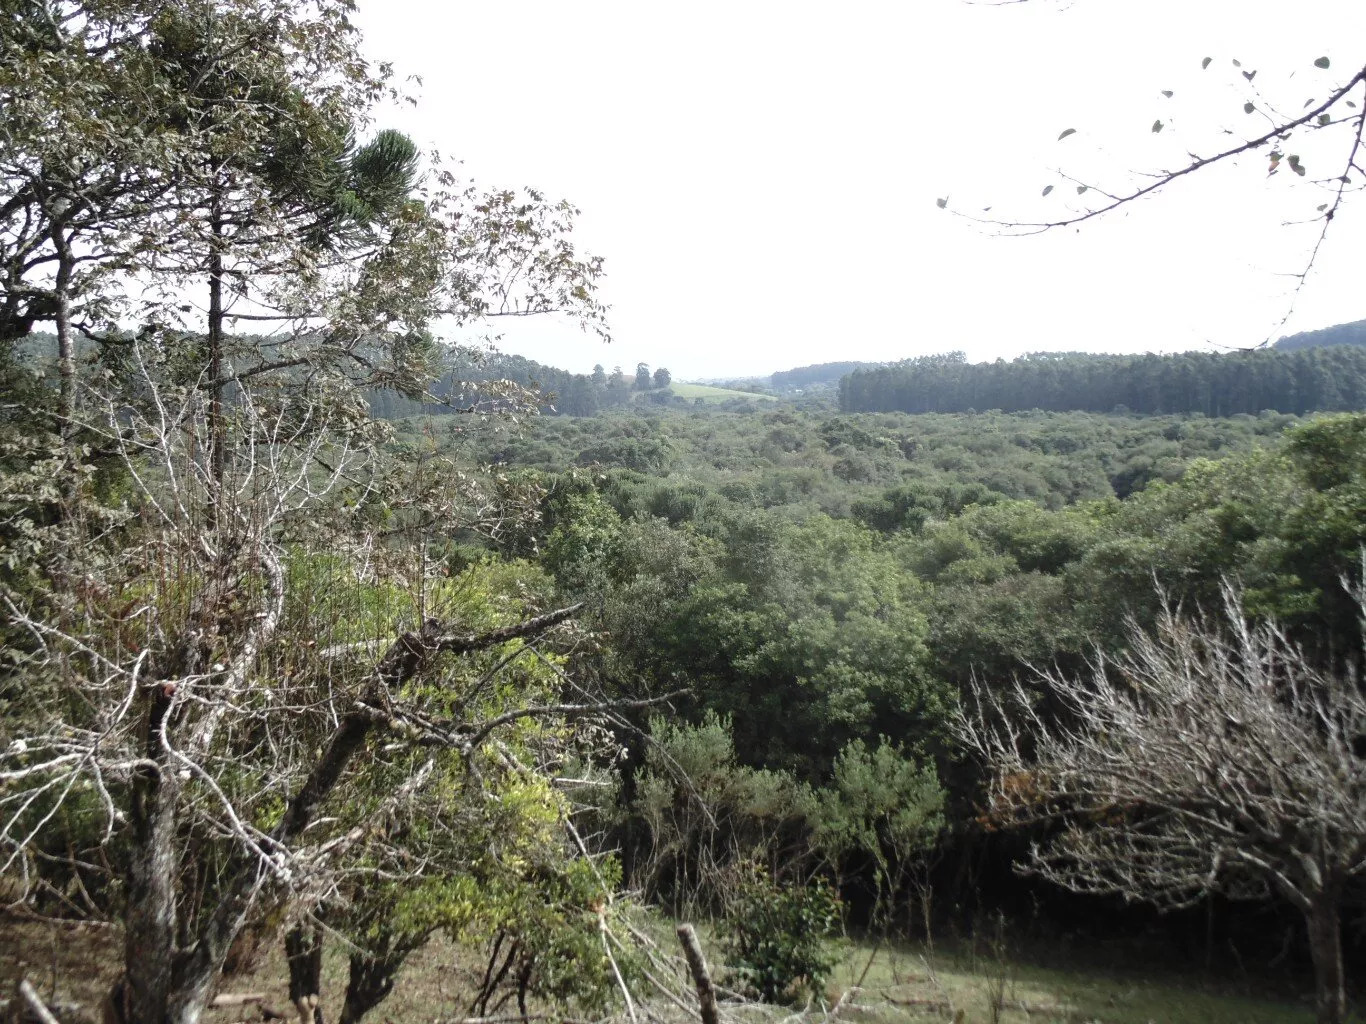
[(778, 936), (704, 813), (883, 807), (1289, 380), (883, 802)]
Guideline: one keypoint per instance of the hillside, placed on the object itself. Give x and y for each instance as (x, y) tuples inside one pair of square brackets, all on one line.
[(1340, 334)]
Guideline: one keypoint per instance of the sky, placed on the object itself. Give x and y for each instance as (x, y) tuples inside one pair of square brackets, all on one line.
[(762, 177)]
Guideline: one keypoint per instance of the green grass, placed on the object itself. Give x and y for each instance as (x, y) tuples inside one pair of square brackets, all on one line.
[(914, 984), (900, 984), (710, 394)]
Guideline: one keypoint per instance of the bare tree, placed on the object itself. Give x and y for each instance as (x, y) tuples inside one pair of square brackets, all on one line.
[(180, 688), (1211, 757)]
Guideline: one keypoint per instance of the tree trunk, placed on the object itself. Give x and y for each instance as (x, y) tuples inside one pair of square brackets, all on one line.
[(304, 951), (150, 919), (1325, 945), (371, 980), (215, 341), (66, 358)]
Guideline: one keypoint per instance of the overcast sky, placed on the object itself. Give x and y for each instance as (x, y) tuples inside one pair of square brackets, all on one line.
[(762, 177)]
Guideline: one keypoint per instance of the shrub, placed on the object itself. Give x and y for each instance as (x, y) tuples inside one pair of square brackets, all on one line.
[(777, 936)]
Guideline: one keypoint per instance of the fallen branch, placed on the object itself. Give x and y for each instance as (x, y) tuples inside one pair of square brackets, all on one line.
[(224, 999), (26, 996)]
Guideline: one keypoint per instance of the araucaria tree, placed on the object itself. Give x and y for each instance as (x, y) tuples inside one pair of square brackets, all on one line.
[(229, 611), (1212, 757)]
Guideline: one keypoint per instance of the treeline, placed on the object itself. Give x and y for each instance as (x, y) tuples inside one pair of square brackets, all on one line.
[(477, 378), (1316, 379)]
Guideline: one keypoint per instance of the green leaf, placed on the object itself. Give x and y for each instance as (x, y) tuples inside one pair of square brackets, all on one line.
[(1248, 108), (1322, 207), (1082, 188), (1158, 126), (1237, 63), (1168, 93), (1206, 63), (1069, 131), (1324, 119), (1047, 189), (942, 203), (1322, 62)]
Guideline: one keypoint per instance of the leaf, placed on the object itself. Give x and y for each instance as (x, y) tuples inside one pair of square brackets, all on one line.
[(1237, 63), (1047, 189), (1322, 207), (1081, 189), (1069, 131), (1324, 119), (942, 203), (1168, 93), (1249, 75), (1206, 63), (1248, 108), (1351, 103), (1158, 126), (1322, 62)]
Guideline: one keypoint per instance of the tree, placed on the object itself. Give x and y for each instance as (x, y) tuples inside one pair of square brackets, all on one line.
[(643, 381), (290, 604), (1212, 757), (663, 378), (599, 376)]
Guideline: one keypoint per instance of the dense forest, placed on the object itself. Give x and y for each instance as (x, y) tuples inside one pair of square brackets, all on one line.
[(331, 649), (1295, 381)]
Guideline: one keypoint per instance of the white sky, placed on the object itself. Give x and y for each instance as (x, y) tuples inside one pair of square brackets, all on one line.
[(762, 176)]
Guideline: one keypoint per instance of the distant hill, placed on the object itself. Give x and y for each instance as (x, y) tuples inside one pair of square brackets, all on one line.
[(818, 375), (1342, 334)]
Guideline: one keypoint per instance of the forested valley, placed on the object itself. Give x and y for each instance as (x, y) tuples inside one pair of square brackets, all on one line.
[(350, 672)]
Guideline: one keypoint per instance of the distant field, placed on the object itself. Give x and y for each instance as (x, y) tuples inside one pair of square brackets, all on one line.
[(711, 394)]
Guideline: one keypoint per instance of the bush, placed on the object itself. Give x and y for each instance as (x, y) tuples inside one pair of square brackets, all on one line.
[(777, 936)]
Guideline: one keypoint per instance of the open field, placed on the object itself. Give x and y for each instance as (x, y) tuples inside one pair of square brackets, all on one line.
[(882, 985), (710, 394)]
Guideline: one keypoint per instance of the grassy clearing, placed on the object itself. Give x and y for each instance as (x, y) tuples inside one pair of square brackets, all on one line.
[(710, 394), (899, 985), (914, 984)]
